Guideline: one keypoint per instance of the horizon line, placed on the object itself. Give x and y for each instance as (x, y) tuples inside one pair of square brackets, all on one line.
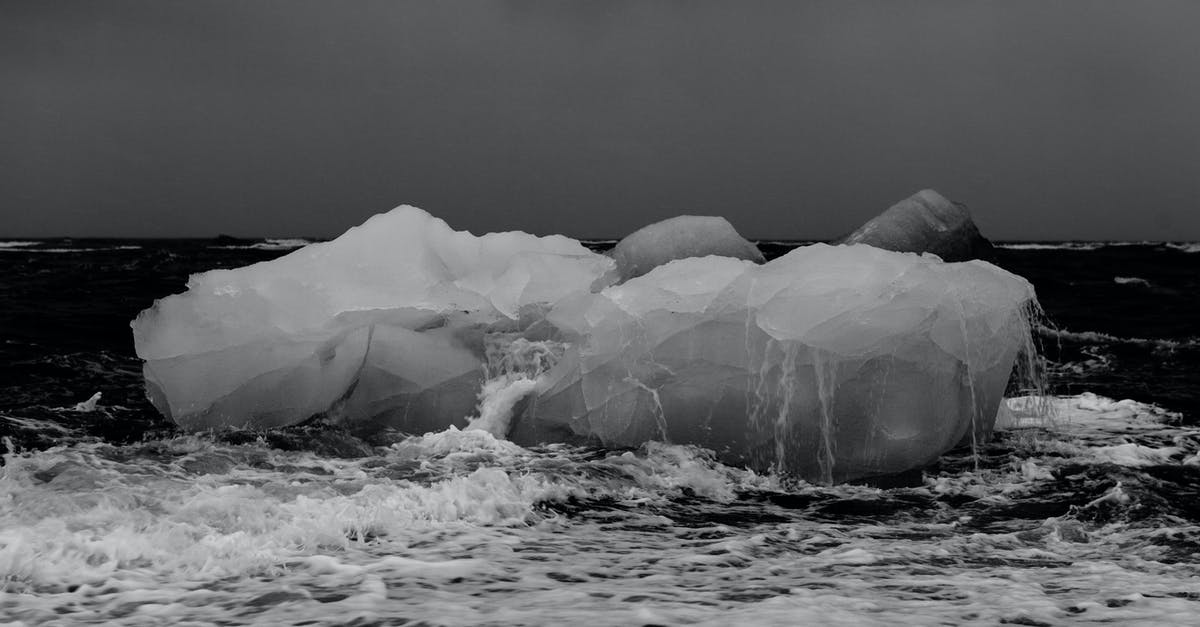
[(315, 239)]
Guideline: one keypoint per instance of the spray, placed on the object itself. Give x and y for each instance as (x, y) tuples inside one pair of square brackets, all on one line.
[(514, 368)]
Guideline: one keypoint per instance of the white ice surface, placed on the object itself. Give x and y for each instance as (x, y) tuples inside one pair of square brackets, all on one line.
[(386, 313), (831, 362)]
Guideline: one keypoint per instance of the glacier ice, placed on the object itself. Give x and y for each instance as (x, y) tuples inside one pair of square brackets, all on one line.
[(830, 363), (385, 323), (680, 237), (925, 223)]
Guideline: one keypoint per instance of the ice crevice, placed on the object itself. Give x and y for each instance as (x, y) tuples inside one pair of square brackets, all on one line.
[(829, 363)]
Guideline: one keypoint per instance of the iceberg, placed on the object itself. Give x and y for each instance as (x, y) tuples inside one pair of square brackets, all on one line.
[(680, 237), (830, 363), (387, 323), (925, 222)]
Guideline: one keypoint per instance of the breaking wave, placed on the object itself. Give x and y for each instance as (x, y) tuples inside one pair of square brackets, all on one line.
[(1131, 280), (1052, 246), (461, 527), (31, 247), (269, 244), (1095, 337)]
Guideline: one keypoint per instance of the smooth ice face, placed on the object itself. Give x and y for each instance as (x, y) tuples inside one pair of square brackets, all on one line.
[(925, 223), (680, 237), (830, 363), (388, 318)]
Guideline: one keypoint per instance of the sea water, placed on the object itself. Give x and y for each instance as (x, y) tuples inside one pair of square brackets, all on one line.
[(108, 515)]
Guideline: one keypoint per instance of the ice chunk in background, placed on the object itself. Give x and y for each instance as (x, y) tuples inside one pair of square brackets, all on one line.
[(89, 405), (680, 237), (832, 362), (385, 324), (925, 223)]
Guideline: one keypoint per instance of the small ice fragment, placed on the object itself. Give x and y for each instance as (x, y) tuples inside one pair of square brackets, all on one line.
[(1131, 280), (88, 405), (680, 237), (925, 223)]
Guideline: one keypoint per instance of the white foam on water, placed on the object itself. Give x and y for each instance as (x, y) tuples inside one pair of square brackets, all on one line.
[(22, 248), (785, 242), (1093, 418), (1099, 337), (15, 244), (1081, 246), (282, 243), (462, 527), (32, 424), (269, 244), (1131, 280), (1187, 247)]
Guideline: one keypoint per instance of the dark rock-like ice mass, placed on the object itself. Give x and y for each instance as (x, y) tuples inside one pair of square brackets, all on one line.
[(925, 223), (829, 363)]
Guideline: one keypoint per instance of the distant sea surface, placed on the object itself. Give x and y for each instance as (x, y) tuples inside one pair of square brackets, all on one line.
[(109, 515)]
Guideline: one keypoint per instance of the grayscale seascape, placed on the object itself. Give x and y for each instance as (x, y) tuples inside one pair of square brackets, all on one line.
[(613, 312)]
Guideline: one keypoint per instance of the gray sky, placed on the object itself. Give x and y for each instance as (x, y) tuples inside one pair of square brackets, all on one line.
[(1052, 120)]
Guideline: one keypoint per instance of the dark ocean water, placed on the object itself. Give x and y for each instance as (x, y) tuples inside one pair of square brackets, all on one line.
[(108, 514)]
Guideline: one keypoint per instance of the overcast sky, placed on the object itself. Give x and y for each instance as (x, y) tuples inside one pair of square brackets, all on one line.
[(1051, 120)]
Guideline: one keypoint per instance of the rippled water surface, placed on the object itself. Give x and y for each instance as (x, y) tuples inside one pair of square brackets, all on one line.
[(110, 516)]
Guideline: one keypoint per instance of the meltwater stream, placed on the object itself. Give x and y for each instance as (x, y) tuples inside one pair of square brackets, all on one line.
[(110, 516)]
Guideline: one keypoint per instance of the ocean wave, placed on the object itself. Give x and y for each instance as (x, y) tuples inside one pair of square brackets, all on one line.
[(269, 244), (1053, 246), (1131, 280), (1096, 337), (1096, 361), (1084, 415), (68, 250), (281, 244), (210, 523), (1076, 246), (468, 528), (785, 242), (1187, 247), (17, 244)]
